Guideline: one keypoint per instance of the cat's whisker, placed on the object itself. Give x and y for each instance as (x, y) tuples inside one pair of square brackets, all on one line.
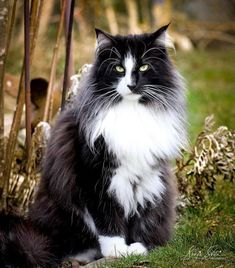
[(112, 99), (94, 101), (151, 49), (110, 68), (92, 85), (162, 104), (113, 59), (108, 94), (113, 49), (109, 87), (172, 90), (157, 58), (167, 96), (158, 98), (163, 91)]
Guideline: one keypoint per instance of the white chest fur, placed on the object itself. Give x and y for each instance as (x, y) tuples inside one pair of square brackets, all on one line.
[(137, 136)]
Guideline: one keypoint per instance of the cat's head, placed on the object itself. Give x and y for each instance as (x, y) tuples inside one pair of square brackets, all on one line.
[(135, 67)]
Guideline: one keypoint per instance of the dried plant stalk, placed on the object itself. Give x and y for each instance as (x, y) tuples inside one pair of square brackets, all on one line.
[(4, 11), (211, 159), (68, 51), (66, 23), (49, 99), (11, 24), (32, 173), (26, 174), (27, 75), (35, 18)]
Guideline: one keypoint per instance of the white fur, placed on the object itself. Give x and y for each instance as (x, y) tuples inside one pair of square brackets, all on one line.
[(148, 188), (137, 249), (102, 41), (89, 221), (85, 256), (124, 82), (115, 246), (137, 135), (166, 40)]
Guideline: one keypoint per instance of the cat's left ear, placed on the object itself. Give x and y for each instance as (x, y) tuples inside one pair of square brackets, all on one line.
[(161, 37), (103, 39)]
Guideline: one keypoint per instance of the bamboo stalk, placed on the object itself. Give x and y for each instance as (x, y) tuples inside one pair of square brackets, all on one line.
[(68, 52), (35, 18), (49, 98), (27, 75), (4, 11)]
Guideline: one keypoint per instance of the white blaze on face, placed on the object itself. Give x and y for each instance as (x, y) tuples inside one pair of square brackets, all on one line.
[(125, 81), (129, 63)]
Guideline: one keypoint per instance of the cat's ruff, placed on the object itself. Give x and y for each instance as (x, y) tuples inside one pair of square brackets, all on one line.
[(137, 136)]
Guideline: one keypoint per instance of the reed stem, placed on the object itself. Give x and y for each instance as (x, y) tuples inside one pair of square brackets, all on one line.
[(49, 99), (27, 75), (68, 52)]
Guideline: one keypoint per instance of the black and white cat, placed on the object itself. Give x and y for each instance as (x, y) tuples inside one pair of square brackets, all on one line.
[(106, 188)]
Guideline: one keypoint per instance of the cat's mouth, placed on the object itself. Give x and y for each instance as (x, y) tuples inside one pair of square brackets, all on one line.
[(132, 96)]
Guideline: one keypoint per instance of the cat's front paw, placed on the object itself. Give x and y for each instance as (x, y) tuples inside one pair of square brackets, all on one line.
[(137, 249), (113, 246)]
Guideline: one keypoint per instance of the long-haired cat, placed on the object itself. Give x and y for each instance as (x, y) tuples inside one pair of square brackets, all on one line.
[(106, 188)]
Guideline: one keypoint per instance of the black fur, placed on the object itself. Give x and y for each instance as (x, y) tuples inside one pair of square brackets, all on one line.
[(23, 246), (76, 177)]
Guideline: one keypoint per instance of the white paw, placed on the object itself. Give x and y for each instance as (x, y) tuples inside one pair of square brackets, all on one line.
[(113, 246), (137, 249)]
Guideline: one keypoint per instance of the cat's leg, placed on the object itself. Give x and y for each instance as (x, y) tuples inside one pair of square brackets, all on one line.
[(153, 226), (113, 246), (137, 248), (87, 255)]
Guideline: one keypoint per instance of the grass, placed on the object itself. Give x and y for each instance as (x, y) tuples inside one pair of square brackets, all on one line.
[(204, 237), (211, 86)]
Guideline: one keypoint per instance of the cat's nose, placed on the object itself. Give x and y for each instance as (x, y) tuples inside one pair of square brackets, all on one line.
[(131, 87)]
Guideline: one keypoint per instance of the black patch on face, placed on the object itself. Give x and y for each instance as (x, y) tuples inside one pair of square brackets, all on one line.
[(155, 85)]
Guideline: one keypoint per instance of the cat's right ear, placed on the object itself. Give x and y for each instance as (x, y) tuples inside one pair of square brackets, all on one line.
[(103, 39)]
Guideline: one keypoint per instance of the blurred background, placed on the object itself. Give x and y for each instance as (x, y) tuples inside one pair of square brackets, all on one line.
[(203, 32)]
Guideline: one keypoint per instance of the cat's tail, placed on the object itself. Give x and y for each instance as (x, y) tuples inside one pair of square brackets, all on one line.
[(22, 245)]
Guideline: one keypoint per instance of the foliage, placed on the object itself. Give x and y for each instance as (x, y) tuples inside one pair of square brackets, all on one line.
[(212, 157), (26, 174)]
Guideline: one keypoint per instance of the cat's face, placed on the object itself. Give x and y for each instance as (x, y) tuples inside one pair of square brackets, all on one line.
[(135, 67)]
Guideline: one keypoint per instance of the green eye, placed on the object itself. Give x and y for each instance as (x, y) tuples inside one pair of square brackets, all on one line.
[(144, 68), (119, 69)]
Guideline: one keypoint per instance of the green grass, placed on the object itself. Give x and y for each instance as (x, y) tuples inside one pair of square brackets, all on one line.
[(210, 81), (204, 237)]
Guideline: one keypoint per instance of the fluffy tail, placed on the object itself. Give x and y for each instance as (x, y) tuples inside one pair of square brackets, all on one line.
[(22, 246)]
